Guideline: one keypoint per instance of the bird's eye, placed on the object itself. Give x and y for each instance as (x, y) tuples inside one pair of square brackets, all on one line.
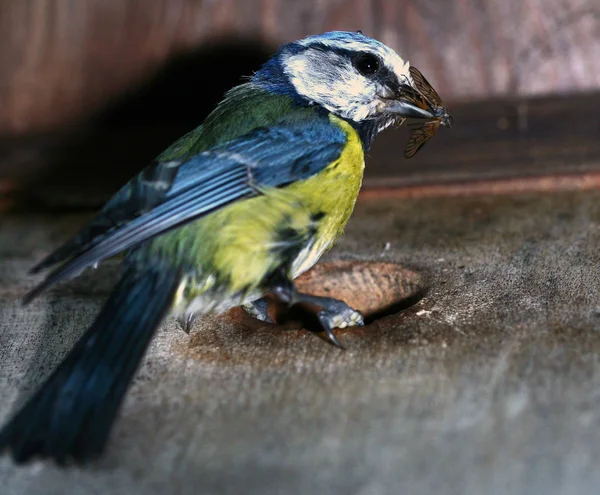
[(367, 64)]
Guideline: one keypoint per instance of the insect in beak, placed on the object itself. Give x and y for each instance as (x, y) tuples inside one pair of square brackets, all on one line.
[(427, 99)]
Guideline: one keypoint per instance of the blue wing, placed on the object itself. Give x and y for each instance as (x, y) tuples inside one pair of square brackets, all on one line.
[(265, 157)]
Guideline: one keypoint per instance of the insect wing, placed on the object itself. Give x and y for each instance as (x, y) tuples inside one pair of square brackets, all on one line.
[(415, 97), (425, 88), (419, 136)]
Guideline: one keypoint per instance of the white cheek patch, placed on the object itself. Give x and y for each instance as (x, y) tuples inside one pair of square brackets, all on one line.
[(328, 79)]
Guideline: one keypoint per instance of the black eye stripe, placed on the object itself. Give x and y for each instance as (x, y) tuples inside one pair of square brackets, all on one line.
[(384, 75)]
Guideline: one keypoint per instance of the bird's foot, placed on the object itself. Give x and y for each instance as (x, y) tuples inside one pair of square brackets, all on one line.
[(338, 315), (258, 309), (335, 313), (187, 322), (347, 317)]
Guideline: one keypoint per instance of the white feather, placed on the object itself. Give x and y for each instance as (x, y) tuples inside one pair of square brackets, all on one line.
[(328, 78)]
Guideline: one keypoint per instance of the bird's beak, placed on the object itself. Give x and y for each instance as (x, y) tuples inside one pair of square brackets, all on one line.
[(405, 108)]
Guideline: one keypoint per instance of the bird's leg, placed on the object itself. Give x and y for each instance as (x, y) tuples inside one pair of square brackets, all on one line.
[(258, 309), (335, 313), (187, 321)]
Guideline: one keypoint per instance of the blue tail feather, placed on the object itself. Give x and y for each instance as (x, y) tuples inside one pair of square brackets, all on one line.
[(71, 415)]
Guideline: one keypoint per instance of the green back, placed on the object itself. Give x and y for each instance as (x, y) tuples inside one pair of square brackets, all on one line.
[(244, 108)]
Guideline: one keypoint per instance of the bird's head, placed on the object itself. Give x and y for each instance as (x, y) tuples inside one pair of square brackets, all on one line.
[(351, 75)]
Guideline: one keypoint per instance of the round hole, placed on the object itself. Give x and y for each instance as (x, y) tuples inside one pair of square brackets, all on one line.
[(376, 289)]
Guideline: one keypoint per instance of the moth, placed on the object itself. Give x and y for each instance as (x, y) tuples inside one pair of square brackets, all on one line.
[(429, 100)]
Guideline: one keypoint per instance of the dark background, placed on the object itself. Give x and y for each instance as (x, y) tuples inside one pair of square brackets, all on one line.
[(61, 61), (90, 91)]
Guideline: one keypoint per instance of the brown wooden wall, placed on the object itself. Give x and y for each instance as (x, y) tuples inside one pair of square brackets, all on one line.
[(61, 60)]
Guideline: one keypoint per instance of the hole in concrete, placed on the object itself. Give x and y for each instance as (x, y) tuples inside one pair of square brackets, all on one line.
[(376, 289)]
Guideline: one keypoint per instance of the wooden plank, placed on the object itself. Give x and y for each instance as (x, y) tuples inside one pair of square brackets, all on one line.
[(499, 139), (61, 60), (489, 384)]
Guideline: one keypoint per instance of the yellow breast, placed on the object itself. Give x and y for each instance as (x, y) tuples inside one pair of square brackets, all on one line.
[(333, 193), (233, 249)]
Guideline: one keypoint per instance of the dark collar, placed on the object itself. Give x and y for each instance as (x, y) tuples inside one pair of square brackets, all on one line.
[(367, 130)]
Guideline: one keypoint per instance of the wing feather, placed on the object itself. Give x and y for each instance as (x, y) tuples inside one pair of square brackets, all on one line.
[(265, 157)]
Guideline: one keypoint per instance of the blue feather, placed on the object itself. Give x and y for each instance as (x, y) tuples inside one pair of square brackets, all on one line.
[(71, 414), (265, 157)]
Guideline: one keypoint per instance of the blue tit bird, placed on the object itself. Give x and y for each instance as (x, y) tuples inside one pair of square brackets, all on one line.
[(233, 211)]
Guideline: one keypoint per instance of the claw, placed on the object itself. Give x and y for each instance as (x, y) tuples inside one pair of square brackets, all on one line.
[(335, 313), (325, 320), (259, 310), (186, 321)]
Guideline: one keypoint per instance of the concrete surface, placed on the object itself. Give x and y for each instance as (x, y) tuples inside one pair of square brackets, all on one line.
[(489, 384)]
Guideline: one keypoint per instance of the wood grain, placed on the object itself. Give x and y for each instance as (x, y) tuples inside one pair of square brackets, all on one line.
[(495, 145), (62, 60), (488, 385)]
